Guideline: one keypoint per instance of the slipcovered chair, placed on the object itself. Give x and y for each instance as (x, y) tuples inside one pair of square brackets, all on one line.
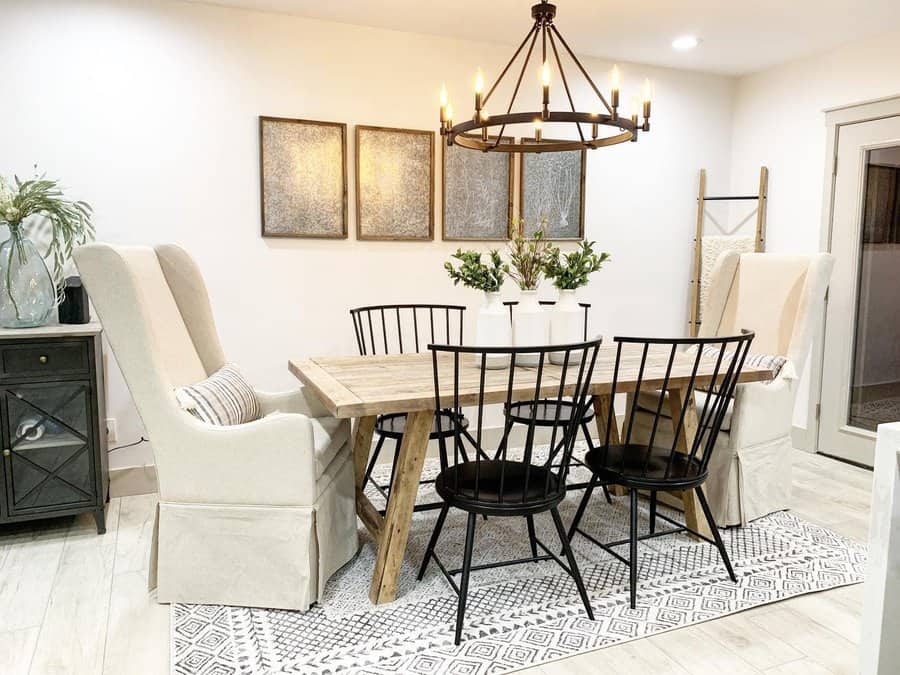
[(780, 298), (259, 514)]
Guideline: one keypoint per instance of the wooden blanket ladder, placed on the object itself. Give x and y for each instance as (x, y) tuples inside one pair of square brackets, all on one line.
[(761, 198)]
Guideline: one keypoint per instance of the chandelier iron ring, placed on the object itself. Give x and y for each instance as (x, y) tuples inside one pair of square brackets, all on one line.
[(461, 134)]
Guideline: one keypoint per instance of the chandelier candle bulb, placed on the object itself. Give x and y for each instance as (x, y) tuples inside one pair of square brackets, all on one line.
[(635, 107), (479, 91), (538, 130), (616, 83), (648, 93), (545, 86), (443, 104)]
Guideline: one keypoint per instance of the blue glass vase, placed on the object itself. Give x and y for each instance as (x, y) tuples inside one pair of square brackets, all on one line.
[(27, 294)]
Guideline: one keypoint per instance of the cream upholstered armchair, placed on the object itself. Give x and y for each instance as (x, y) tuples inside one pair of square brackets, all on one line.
[(781, 298), (259, 514)]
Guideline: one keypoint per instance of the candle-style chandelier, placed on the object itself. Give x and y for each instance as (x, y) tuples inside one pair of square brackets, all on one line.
[(475, 132)]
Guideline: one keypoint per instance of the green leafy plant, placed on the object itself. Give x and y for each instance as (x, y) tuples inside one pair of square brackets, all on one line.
[(473, 273), (570, 270), (527, 257), (70, 221)]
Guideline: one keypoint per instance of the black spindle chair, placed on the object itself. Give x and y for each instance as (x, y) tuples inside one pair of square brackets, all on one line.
[(649, 467), (520, 413), (507, 485), (404, 329)]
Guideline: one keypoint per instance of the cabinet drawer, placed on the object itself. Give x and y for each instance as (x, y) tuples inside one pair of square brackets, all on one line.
[(44, 358)]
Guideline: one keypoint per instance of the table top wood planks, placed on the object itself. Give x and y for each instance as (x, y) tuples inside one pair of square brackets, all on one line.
[(363, 387)]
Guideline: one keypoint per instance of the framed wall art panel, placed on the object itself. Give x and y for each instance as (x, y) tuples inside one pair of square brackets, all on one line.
[(477, 194), (552, 187), (303, 178), (394, 184)]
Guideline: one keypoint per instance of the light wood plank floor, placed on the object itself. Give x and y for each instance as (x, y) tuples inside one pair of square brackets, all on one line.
[(74, 602)]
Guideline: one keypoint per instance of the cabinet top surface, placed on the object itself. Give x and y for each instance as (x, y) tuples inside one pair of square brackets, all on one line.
[(51, 330)]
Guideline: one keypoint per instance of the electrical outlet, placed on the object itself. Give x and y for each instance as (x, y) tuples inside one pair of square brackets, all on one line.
[(112, 433)]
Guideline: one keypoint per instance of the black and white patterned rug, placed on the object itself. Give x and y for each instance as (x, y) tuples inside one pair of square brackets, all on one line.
[(517, 616)]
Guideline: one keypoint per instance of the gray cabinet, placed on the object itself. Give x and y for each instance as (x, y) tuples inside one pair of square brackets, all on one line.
[(52, 424)]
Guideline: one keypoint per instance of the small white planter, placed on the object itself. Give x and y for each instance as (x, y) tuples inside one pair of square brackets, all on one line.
[(531, 327), (493, 329), (566, 326)]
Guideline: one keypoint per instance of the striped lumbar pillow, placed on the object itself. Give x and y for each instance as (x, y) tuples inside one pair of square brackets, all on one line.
[(771, 361), (224, 398)]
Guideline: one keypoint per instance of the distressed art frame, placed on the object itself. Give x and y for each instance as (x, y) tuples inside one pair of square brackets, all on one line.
[(303, 178)]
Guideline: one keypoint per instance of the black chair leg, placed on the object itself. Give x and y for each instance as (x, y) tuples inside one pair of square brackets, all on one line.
[(653, 512), (374, 459), (442, 516), (576, 521), (531, 536), (573, 565), (715, 532), (464, 580), (632, 566)]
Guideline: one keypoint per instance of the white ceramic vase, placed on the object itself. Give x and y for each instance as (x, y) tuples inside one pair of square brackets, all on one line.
[(493, 329), (566, 326), (531, 327)]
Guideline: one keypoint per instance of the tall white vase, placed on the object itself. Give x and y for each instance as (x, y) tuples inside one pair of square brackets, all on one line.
[(566, 326), (531, 327), (493, 329)]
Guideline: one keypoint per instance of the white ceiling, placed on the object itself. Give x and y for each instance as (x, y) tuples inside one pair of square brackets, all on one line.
[(738, 36)]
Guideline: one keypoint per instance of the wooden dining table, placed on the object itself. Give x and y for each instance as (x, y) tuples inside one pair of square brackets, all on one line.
[(364, 387)]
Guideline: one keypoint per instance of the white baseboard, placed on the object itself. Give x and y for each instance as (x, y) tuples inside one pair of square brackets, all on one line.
[(803, 438), (132, 480)]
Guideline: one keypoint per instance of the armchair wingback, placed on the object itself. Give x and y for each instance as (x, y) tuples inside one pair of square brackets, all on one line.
[(781, 299), (259, 514)]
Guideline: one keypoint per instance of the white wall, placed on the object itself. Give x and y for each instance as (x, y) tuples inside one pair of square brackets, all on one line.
[(779, 121), (149, 112)]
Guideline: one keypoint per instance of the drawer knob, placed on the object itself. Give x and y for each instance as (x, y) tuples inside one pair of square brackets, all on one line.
[(6, 452), (42, 359)]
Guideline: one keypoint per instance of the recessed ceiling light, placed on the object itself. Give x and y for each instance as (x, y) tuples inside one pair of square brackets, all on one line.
[(685, 42)]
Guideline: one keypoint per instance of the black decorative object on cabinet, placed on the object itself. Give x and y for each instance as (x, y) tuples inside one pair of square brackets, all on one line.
[(54, 459), (74, 308)]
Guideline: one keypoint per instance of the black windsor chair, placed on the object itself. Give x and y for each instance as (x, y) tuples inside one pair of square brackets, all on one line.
[(507, 486), (645, 466)]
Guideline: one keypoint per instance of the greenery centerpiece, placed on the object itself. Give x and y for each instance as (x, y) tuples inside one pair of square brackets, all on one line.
[(29, 291), (527, 257), (492, 328), (570, 271), (473, 273)]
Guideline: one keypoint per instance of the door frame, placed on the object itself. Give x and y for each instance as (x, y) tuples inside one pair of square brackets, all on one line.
[(835, 118)]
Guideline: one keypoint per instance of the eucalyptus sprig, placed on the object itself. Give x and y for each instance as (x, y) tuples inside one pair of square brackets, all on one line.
[(570, 271), (473, 273), (527, 257), (70, 221)]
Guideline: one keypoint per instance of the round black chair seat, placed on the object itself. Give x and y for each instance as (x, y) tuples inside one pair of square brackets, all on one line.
[(627, 465), (457, 486), (393, 425), (520, 412)]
